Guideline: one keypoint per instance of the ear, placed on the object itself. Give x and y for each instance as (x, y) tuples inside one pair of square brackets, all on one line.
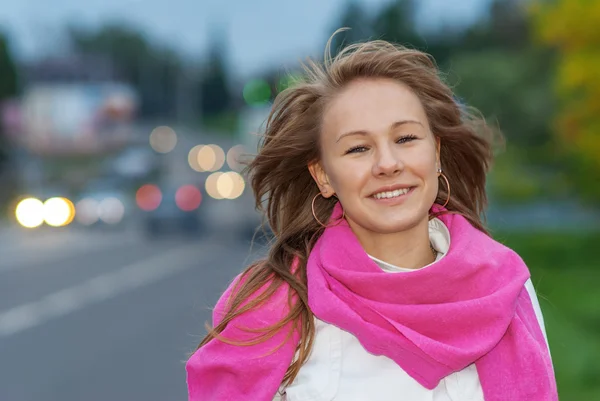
[(318, 174)]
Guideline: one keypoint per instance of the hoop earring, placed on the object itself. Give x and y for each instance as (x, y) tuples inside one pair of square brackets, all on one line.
[(447, 185), (315, 215)]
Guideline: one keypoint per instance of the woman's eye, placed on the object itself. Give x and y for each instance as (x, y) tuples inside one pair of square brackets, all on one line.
[(362, 148), (406, 138), (356, 149)]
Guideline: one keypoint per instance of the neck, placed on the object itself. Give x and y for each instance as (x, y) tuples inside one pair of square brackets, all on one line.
[(409, 249)]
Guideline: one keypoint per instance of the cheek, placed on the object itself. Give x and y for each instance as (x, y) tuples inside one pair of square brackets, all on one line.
[(348, 177), (423, 167)]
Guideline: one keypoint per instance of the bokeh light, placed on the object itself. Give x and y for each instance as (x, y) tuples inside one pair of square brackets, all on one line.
[(72, 210), (163, 139), (229, 185), (148, 197), (225, 185), (287, 81), (58, 212), (206, 158), (257, 92), (30, 213), (87, 211), (193, 158), (111, 210), (234, 155), (235, 184), (210, 185), (188, 198)]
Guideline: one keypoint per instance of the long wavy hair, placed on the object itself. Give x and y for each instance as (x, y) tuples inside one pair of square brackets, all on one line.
[(284, 188)]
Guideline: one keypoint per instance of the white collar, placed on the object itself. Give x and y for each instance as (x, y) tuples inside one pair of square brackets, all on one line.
[(440, 240)]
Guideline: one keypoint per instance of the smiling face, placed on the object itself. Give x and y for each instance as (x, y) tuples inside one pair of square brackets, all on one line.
[(379, 157)]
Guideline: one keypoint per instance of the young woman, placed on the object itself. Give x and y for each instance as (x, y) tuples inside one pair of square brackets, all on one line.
[(382, 282)]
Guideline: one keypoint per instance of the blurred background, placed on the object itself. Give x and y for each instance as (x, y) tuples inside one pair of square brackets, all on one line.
[(123, 125)]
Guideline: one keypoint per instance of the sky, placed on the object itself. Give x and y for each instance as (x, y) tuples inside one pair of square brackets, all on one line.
[(258, 33)]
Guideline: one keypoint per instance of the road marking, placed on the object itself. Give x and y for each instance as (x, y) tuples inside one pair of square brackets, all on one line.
[(97, 289)]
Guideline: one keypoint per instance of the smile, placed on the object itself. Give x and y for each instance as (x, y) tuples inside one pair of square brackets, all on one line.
[(391, 194)]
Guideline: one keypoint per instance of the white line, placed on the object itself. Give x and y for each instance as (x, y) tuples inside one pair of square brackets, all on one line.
[(95, 290)]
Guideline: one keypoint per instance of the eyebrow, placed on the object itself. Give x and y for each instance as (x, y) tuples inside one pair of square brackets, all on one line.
[(392, 127)]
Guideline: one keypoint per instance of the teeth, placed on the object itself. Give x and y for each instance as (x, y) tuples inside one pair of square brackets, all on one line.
[(391, 194)]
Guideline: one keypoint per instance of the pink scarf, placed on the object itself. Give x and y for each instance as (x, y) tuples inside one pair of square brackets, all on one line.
[(469, 307)]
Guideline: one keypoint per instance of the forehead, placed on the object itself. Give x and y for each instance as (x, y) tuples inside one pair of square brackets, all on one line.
[(371, 105)]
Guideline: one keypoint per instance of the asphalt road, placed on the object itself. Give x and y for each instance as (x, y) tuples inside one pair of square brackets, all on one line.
[(106, 316)]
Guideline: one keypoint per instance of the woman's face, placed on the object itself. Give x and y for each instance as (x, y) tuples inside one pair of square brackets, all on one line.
[(379, 157)]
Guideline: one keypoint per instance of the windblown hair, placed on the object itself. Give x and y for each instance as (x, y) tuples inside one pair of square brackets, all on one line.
[(280, 176)]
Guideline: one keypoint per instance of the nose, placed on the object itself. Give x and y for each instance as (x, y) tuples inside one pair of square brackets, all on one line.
[(387, 162)]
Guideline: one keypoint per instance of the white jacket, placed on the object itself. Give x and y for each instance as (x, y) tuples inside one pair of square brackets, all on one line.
[(339, 368)]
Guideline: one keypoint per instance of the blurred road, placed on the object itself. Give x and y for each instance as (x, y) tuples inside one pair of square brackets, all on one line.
[(101, 316)]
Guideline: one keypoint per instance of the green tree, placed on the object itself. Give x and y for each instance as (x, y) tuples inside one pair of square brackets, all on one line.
[(395, 23), (8, 70), (510, 87), (498, 70), (214, 85), (507, 27), (512, 90), (8, 87), (570, 28), (358, 20)]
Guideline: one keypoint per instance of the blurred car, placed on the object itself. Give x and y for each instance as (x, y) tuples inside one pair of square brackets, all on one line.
[(104, 202), (171, 208)]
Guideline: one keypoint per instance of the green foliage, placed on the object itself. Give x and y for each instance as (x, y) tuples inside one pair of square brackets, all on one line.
[(8, 70), (8, 88), (286, 81), (214, 85), (225, 123), (564, 272), (257, 92), (358, 20), (512, 181), (507, 28), (395, 23), (570, 28), (511, 87)]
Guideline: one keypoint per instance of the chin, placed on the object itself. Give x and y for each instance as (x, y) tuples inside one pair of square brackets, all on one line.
[(394, 225)]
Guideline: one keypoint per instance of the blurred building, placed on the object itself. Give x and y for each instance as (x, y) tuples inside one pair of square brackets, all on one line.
[(72, 105)]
